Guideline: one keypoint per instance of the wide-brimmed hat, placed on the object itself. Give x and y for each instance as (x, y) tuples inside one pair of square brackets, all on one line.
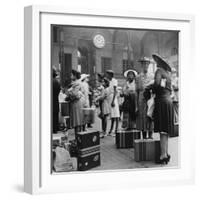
[(109, 71), (144, 59), (161, 62), (84, 76), (128, 71)]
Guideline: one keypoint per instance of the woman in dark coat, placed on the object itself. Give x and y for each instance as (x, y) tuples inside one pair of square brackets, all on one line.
[(163, 111), (56, 91)]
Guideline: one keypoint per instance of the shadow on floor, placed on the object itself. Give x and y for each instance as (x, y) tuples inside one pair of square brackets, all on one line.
[(18, 188)]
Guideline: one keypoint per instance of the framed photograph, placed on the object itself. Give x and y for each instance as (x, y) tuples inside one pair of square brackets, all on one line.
[(104, 99)]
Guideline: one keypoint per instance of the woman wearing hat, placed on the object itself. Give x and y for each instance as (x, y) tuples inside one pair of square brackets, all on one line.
[(144, 80), (163, 111), (113, 101), (104, 98), (76, 98), (129, 104)]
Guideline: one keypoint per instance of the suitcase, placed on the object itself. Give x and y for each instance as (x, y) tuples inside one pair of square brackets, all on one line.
[(125, 138), (90, 150), (147, 150), (89, 160), (89, 115), (88, 139), (65, 109), (157, 151), (176, 131)]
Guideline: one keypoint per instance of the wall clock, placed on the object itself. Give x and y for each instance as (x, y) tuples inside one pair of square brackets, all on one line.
[(99, 41)]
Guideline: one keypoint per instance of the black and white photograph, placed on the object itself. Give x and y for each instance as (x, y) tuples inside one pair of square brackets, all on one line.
[(100, 100), (114, 99)]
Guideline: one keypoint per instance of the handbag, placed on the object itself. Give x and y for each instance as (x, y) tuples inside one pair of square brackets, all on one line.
[(150, 106), (63, 161)]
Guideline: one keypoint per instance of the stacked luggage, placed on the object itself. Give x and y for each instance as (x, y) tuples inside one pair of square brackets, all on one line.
[(88, 143), (144, 149)]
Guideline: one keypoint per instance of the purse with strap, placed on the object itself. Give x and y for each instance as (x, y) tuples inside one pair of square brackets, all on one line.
[(150, 106)]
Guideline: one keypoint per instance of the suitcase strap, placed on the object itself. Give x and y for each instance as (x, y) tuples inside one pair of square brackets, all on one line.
[(89, 150)]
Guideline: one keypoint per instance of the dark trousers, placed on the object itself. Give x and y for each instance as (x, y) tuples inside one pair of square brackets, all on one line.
[(55, 122)]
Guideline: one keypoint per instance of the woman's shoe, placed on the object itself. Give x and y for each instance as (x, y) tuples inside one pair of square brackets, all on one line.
[(110, 133), (89, 126), (163, 161), (168, 157)]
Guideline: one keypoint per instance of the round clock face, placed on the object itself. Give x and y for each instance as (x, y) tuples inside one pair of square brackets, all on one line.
[(99, 41)]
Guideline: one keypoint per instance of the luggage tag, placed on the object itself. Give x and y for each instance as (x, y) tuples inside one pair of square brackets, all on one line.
[(163, 82)]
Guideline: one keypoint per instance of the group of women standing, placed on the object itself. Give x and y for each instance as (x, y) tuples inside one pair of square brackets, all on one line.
[(134, 106), (137, 91)]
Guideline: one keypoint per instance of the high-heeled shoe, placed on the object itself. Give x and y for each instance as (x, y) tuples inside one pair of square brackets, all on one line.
[(162, 161), (168, 157)]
